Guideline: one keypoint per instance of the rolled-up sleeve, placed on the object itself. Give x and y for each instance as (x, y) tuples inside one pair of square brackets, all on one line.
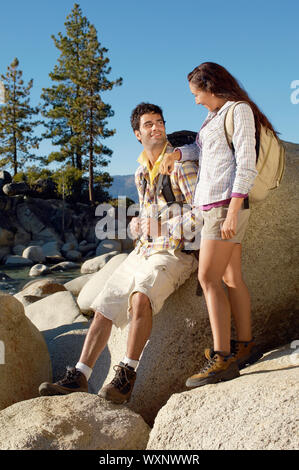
[(244, 149), (189, 152)]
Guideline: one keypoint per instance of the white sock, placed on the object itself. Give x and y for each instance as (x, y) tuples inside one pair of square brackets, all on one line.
[(130, 362), (87, 371)]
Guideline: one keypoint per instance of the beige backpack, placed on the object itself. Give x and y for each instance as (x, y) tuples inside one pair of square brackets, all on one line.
[(270, 159)]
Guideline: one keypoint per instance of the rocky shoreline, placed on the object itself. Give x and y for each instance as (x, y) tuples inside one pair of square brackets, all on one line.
[(42, 329)]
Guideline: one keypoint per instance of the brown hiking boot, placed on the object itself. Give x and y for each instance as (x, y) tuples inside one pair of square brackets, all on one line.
[(217, 369), (119, 390), (245, 352), (73, 381)]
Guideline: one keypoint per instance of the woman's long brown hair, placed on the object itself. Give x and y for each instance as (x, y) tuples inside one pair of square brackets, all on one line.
[(214, 78)]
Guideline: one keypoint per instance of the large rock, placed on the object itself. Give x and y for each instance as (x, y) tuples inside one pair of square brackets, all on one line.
[(95, 264), (6, 237), (52, 249), (76, 285), (42, 287), (270, 260), (106, 246), (34, 253), (181, 330), (96, 283), (16, 260), (24, 357), (13, 189), (85, 247), (4, 252), (65, 266), (37, 290), (36, 220), (39, 270), (5, 178), (53, 311), (79, 421), (73, 245), (254, 411), (18, 249), (74, 255)]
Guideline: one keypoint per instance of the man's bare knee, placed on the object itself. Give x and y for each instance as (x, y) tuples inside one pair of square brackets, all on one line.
[(99, 318), (140, 304)]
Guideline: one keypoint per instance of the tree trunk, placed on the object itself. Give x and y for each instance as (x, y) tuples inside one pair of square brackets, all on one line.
[(91, 191), (15, 162)]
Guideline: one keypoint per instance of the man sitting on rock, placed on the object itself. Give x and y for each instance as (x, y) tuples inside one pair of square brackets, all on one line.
[(157, 266)]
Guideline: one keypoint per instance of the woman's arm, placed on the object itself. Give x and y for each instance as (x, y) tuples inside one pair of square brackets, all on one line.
[(244, 149), (245, 155), (186, 153)]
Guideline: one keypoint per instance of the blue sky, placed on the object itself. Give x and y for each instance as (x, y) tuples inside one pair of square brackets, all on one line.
[(154, 44)]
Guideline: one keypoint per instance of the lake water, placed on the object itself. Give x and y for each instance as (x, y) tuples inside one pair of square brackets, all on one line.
[(20, 276)]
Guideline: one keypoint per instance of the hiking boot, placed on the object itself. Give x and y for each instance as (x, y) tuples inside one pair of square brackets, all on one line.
[(245, 352), (218, 368), (73, 381), (119, 390)]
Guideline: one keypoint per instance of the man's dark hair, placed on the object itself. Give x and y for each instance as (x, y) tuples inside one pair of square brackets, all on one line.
[(144, 108)]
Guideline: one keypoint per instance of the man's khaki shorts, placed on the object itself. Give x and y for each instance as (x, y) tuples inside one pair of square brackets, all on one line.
[(157, 276), (213, 221)]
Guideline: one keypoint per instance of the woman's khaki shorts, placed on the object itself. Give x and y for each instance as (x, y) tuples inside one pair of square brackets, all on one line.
[(156, 276), (213, 221)]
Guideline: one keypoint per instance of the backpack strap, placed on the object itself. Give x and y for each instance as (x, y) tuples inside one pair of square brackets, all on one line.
[(144, 184), (229, 124), (167, 189)]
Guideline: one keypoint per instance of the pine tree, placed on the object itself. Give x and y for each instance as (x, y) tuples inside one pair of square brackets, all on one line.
[(77, 115), (17, 129)]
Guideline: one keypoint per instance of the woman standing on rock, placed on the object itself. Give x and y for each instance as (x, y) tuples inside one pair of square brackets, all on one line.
[(225, 179)]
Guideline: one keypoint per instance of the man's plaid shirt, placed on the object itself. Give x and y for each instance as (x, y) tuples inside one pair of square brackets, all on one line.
[(183, 181)]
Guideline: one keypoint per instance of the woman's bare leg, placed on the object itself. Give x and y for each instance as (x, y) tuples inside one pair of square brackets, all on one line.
[(239, 297), (214, 259)]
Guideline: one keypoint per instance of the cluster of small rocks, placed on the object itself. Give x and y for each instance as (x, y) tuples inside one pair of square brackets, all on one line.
[(48, 235)]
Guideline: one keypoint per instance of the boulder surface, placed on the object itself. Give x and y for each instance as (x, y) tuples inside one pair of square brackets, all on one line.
[(182, 330), (254, 411), (24, 357), (79, 421)]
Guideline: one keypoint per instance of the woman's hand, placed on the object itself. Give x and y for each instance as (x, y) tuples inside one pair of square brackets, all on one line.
[(167, 164), (229, 227)]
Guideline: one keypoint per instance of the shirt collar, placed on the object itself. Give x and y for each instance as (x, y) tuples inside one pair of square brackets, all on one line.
[(144, 161), (220, 111), (225, 106)]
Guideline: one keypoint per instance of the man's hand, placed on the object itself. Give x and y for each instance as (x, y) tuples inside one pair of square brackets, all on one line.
[(135, 227), (150, 227), (167, 164)]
